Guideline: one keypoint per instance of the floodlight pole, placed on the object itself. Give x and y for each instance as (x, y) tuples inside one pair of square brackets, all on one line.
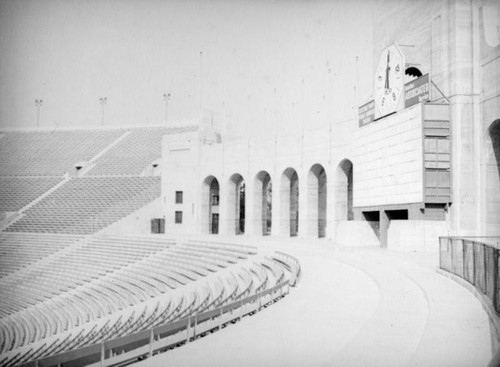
[(103, 101), (38, 104), (166, 98)]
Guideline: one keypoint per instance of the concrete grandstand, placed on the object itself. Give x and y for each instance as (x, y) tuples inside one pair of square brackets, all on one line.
[(368, 242)]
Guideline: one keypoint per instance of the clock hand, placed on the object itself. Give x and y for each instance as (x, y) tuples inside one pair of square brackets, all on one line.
[(387, 69)]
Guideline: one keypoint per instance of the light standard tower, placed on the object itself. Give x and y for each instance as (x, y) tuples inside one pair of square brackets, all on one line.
[(166, 98), (38, 104), (103, 101)]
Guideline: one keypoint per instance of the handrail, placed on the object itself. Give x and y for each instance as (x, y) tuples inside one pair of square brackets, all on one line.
[(473, 263), (146, 343)]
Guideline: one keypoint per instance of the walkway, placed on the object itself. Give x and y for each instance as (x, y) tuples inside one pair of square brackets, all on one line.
[(353, 307)]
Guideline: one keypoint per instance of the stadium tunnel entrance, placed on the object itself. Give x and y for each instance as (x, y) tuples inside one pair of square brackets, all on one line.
[(236, 204), (262, 201), (289, 202), (210, 205), (317, 194)]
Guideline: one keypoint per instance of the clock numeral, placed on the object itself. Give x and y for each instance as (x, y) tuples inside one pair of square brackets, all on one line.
[(397, 68), (393, 96), (383, 100)]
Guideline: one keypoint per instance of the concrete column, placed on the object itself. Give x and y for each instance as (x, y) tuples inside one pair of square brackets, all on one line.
[(224, 229), (251, 204), (384, 227), (303, 206), (463, 119), (330, 206), (276, 206), (312, 198)]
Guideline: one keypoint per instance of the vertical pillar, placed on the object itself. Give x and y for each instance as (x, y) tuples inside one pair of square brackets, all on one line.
[(151, 341), (303, 207), (280, 208), (103, 354), (224, 229), (384, 227), (251, 201), (330, 207)]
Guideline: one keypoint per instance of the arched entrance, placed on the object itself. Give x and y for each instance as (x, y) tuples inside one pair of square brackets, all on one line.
[(316, 201), (210, 206), (344, 190), (236, 204), (289, 202), (492, 192), (262, 203)]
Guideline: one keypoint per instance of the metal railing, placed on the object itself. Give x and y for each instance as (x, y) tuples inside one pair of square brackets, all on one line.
[(143, 344), (474, 259)]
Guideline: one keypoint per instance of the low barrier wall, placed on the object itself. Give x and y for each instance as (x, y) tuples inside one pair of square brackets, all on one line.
[(474, 263)]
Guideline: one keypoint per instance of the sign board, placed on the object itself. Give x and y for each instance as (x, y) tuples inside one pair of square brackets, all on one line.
[(366, 113), (417, 91)]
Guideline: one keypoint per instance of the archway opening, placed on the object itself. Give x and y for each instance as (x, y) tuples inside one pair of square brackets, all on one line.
[(345, 184), (236, 203), (263, 203), (289, 208), (492, 194), (316, 198), (210, 206)]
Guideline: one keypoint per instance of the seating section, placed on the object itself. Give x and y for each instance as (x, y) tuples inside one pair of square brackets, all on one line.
[(51, 153), (85, 205), (132, 154), (101, 288), (18, 250), (17, 192)]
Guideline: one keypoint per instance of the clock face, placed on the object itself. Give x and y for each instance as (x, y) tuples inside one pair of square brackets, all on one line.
[(389, 80)]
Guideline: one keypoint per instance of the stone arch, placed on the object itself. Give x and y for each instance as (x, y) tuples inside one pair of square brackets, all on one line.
[(344, 191), (210, 205), (262, 201), (236, 204), (289, 202), (316, 201)]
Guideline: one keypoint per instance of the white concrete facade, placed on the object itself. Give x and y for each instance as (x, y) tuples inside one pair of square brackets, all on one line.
[(310, 184)]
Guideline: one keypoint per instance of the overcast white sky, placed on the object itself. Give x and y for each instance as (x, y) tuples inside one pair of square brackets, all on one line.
[(265, 64)]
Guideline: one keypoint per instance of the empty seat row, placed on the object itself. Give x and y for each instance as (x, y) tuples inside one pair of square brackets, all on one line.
[(51, 153), (108, 302), (85, 205)]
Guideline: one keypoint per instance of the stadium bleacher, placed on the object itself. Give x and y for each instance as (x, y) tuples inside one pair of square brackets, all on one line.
[(101, 288), (51, 153), (17, 192), (132, 154), (18, 250), (63, 286), (85, 205)]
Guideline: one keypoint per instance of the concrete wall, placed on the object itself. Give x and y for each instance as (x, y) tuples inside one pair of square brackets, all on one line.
[(137, 223), (388, 160), (442, 38), (416, 235), (355, 233), (489, 19), (457, 43)]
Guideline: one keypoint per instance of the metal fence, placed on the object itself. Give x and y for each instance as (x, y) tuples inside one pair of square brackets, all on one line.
[(474, 259)]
